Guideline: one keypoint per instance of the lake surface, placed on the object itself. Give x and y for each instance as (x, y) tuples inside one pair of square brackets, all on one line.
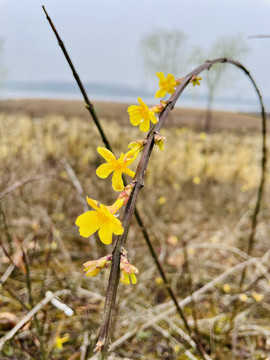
[(101, 92)]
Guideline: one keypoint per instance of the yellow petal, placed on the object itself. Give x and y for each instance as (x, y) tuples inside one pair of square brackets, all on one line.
[(141, 102), (113, 223), (93, 203), (133, 109), (160, 93), (129, 172), (144, 126), (117, 181), (125, 278), (130, 156), (135, 117), (171, 90), (135, 121), (104, 170), (116, 226), (153, 117), (170, 79), (133, 278), (89, 264), (106, 154), (116, 205), (161, 76), (89, 223), (105, 233), (93, 272)]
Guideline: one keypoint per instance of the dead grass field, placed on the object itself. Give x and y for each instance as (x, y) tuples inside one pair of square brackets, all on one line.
[(193, 118), (197, 203)]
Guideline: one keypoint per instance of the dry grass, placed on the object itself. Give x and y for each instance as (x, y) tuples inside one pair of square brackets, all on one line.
[(197, 204)]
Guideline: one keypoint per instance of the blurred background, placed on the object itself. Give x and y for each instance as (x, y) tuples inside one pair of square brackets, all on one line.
[(115, 50)]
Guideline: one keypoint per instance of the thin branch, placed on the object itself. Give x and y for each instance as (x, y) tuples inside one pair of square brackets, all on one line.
[(164, 310), (91, 110), (13, 265), (190, 286), (7, 233), (22, 182), (168, 336), (89, 106), (105, 332), (78, 187), (30, 314), (29, 289), (114, 276), (84, 346), (221, 247)]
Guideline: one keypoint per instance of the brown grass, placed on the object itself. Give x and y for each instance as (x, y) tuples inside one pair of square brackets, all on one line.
[(199, 193), (193, 118)]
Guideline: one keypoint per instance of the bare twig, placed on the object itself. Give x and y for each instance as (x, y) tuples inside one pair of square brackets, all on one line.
[(89, 106), (196, 335), (168, 336), (73, 177), (13, 265), (30, 314), (105, 332), (221, 247), (29, 289), (8, 236), (164, 310), (114, 276), (84, 345), (22, 182), (91, 110), (78, 187)]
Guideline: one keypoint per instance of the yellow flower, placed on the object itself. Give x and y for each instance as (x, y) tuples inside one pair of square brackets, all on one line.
[(159, 141), (166, 85), (243, 297), (125, 194), (117, 166), (158, 108), (128, 271), (136, 146), (60, 341), (162, 200), (226, 288), (159, 281), (101, 219), (196, 180), (203, 136), (141, 115), (195, 80), (257, 297), (93, 267)]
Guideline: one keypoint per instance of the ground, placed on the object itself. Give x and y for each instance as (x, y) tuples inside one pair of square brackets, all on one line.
[(197, 203)]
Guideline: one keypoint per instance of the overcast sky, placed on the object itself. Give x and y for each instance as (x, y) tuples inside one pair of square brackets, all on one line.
[(102, 37)]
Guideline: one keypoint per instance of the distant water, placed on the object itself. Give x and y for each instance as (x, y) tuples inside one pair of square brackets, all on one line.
[(100, 92)]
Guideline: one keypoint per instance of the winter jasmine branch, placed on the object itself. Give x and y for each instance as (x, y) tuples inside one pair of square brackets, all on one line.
[(105, 332)]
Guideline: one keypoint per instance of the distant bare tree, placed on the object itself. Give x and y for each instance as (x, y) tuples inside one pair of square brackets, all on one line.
[(163, 50), (3, 72), (259, 36), (224, 46)]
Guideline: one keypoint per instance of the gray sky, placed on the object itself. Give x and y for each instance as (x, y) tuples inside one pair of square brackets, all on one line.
[(102, 36)]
